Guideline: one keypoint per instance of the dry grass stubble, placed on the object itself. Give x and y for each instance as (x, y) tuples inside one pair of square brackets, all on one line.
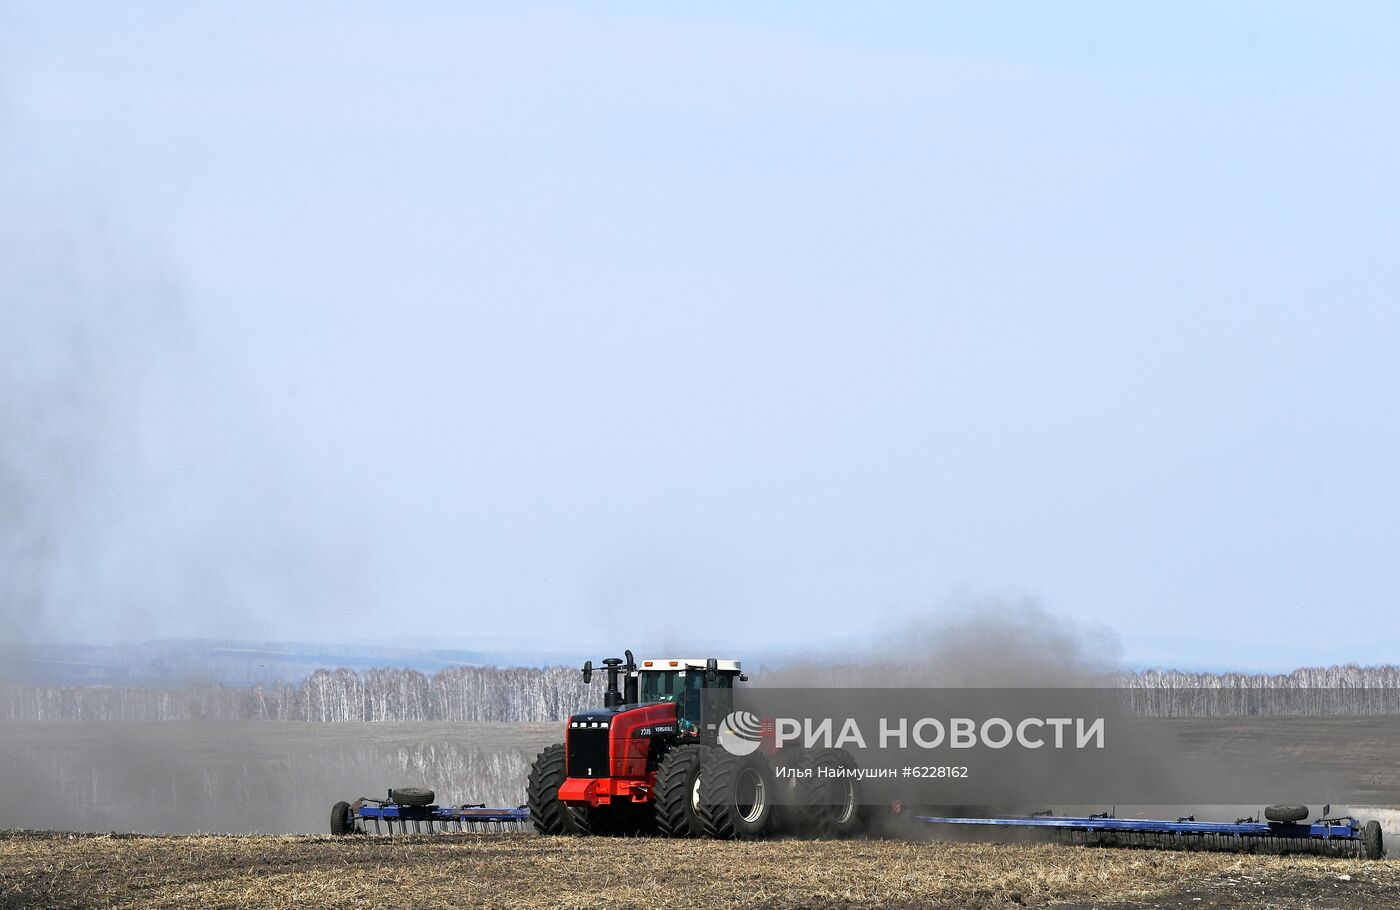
[(524, 871)]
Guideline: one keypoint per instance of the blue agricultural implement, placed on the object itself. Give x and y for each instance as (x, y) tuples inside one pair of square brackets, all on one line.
[(411, 810), (1327, 836)]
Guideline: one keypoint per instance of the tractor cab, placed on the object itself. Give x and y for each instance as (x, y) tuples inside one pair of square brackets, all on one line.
[(682, 680)]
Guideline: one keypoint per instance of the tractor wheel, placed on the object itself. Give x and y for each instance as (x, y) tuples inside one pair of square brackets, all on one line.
[(342, 819), (1372, 847), (678, 792), (832, 804), (736, 795), (547, 813), (1286, 814), (412, 796), (790, 807)]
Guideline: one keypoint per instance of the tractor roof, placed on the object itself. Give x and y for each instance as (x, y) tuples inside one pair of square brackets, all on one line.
[(687, 663)]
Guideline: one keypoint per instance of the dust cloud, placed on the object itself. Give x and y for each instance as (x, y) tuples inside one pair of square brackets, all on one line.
[(977, 642), (991, 642), (139, 498)]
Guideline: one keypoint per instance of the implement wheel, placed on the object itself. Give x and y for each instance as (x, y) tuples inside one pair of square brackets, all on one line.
[(1372, 847), (547, 813), (342, 819), (1286, 814), (678, 792), (412, 796)]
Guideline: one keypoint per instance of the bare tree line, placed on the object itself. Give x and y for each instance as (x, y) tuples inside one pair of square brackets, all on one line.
[(1310, 691), (459, 694), (530, 694)]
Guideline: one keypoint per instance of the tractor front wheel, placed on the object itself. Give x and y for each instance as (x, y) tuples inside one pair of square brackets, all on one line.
[(678, 791), (547, 813)]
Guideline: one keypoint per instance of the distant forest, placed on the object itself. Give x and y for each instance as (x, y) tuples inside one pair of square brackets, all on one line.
[(524, 694)]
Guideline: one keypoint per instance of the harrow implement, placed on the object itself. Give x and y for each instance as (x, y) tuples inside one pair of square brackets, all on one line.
[(412, 811), (1339, 836)]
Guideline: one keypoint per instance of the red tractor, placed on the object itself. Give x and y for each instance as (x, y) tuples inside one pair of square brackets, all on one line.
[(649, 761)]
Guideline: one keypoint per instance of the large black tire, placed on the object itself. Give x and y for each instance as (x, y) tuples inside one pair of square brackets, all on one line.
[(342, 819), (1372, 846), (677, 795), (790, 815), (1286, 814), (736, 796), (547, 813), (832, 804), (412, 796)]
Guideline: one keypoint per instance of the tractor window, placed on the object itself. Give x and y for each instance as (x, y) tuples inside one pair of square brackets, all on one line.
[(690, 704), (661, 686), (684, 687)]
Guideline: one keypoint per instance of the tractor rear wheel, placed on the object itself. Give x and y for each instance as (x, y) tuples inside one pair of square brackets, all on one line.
[(832, 803), (791, 778), (342, 819), (678, 791), (548, 813), (736, 795)]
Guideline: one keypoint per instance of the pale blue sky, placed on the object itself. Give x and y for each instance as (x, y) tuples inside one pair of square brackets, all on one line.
[(807, 318)]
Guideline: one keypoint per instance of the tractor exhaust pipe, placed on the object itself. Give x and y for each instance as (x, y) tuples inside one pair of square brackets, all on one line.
[(629, 685)]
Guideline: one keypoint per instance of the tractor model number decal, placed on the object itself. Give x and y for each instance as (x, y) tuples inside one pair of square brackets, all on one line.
[(658, 730)]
